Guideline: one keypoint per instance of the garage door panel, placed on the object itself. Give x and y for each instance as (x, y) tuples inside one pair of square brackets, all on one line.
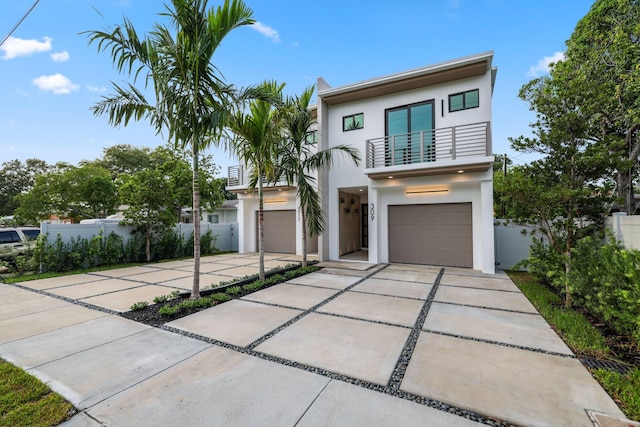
[(279, 231), (438, 234)]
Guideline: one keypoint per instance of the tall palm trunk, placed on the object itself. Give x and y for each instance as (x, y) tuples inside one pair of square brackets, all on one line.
[(195, 290), (304, 237), (260, 225)]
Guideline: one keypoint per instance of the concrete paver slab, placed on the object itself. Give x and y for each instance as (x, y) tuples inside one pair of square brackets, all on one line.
[(235, 322), (239, 261), (393, 287), (186, 283), (407, 275), (414, 267), (356, 348), (103, 371), (44, 321), (296, 296), (349, 405), (121, 301), (346, 265), (274, 264), (495, 284), (521, 329), (519, 386), (28, 303), (398, 311), (11, 295), (173, 264), (127, 271), (239, 271), (158, 276), (209, 267), (216, 387), (58, 343), (342, 272), (485, 298), (323, 280), (54, 282), (84, 290), (463, 271)]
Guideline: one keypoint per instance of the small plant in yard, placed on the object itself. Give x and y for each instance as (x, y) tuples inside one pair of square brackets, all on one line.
[(141, 305), (25, 401), (169, 310), (164, 298), (253, 286), (234, 290), (220, 297)]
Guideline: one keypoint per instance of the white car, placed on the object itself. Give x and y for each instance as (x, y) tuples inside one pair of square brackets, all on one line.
[(15, 240)]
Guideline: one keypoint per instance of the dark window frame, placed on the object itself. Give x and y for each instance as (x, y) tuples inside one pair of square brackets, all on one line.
[(464, 100), (311, 138), (346, 127)]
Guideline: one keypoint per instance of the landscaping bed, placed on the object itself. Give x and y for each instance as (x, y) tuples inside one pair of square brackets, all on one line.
[(174, 306)]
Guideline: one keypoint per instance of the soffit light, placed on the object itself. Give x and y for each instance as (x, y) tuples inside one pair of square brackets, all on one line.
[(460, 171), (425, 191)]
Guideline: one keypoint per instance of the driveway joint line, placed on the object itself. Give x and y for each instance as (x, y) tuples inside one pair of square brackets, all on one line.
[(306, 312), (501, 344), (389, 295), (410, 344), (312, 402), (377, 322)]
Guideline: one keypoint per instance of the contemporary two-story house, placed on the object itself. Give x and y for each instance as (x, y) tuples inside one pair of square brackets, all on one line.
[(423, 193)]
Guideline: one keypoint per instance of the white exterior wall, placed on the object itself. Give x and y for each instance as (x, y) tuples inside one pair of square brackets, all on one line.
[(472, 187), (247, 208), (625, 229)]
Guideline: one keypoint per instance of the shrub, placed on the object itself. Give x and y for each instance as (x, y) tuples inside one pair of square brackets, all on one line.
[(234, 290), (220, 297), (139, 306), (169, 310)]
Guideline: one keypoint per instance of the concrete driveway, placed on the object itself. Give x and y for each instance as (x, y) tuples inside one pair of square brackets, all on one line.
[(352, 344)]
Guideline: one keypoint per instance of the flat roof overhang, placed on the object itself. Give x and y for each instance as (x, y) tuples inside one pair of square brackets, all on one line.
[(377, 174)]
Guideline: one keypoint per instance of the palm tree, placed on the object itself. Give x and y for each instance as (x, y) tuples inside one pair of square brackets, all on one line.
[(298, 164), (256, 135), (192, 101)]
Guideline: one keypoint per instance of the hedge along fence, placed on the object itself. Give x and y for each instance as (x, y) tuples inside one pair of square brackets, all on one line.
[(111, 244), (604, 280)]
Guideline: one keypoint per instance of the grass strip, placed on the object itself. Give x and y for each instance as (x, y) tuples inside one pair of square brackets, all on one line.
[(25, 401), (624, 389)]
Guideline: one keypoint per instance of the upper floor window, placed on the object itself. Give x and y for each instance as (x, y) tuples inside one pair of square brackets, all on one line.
[(311, 138), (352, 122), (464, 100)]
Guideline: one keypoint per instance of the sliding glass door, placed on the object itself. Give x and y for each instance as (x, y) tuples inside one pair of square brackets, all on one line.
[(409, 131)]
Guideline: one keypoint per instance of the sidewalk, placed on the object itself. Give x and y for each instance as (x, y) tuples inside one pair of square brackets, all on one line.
[(353, 344)]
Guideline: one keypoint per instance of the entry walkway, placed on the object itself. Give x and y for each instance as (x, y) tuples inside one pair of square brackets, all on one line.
[(352, 344)]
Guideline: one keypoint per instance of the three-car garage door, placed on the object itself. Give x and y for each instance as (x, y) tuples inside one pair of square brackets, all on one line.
[(279, 231), (438, 234)]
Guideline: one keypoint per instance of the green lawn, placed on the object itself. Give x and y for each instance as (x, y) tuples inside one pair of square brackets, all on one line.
[(25, 401)]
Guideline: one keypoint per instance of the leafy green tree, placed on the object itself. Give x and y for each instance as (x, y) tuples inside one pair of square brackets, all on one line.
[(123, 159), (192, 101), (562, 191), (69, 191), (17, 178), (147, 194), (256, 135), (299, 162), (602, 59)]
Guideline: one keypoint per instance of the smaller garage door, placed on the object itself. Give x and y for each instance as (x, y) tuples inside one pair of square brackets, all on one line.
[(439, 234), (279, 231)]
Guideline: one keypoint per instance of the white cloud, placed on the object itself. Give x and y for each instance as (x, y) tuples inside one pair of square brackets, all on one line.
[(92, 88), (15, 47), (60, 56), (542, 67), (57, 83), (266, 31)]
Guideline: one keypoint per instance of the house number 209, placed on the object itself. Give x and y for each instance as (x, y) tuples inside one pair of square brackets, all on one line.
[(372, 210)]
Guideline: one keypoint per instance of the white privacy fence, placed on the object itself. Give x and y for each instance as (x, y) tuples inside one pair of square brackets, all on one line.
[(226, 235), (511, 245), (625, 229)]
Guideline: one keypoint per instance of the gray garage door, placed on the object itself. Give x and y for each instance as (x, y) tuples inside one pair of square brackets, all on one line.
[(439, 234), (279, 231)]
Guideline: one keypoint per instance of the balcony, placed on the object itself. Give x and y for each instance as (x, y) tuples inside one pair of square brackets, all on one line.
[(238, 179), (435, 151)]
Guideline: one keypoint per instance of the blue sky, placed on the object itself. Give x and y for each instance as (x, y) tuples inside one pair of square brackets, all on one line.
[(50, 77)]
